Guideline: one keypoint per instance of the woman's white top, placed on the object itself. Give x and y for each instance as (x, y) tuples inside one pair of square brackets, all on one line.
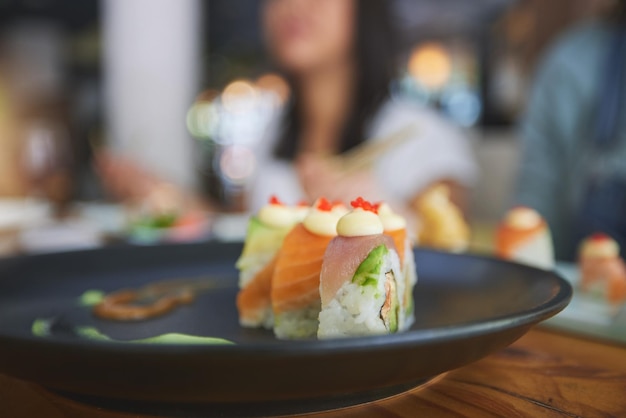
[(436, 150)]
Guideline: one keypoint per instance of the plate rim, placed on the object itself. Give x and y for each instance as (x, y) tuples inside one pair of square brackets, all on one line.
[(409, 338)]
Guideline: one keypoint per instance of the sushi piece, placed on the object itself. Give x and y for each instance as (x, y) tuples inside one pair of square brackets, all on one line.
[(395, 226), (296, 280), (361, 282), (265, 235), (603, 272), (523, 236), (443, 226)]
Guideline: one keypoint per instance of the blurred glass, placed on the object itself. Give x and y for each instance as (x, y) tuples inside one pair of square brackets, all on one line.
[(46, 160), (229, 126)]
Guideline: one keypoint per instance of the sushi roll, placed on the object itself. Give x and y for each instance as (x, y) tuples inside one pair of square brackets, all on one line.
[(602, 269), (264, 237), (361, 282), (523, 236), (395, 226), (295, 283)]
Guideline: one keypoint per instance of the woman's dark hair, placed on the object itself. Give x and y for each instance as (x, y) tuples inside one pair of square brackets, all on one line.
[(621, 12), (376, 68)]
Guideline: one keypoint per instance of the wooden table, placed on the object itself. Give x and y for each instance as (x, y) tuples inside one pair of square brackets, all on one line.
[(544, 374)]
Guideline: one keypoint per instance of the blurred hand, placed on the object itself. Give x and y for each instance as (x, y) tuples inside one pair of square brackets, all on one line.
[(130, 183), (122, 178), (324, 176)]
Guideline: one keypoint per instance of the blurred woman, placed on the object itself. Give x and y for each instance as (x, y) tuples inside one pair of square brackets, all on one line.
[(574, 135), (339, 57)]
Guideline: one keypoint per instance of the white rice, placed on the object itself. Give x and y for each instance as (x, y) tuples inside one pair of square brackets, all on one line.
[(356, 309), (298, 324), (265, 319)]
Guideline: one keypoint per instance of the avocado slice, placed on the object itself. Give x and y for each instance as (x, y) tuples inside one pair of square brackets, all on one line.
[(260, 238), (369, 270)]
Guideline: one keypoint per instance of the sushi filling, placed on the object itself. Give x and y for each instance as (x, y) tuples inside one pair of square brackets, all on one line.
[(388, 315), (298, 324)]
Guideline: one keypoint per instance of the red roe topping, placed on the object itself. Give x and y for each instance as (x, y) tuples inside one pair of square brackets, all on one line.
[(302, 203), (324, 205), (359, 202), (275, 201), (599, 237)]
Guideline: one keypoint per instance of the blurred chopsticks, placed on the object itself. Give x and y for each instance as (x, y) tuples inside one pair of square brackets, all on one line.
[(365, 154)]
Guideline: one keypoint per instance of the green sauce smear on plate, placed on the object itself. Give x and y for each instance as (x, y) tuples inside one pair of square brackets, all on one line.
[(41, 328), (169, 338)]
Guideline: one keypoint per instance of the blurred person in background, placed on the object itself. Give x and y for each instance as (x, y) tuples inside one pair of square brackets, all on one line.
[(339, 57), (574, 135)]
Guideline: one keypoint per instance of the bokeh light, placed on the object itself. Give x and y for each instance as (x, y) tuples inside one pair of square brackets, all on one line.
[(275, 84), (463, 106), (203, 119), (239, 96), (237, 163), (430, 64)]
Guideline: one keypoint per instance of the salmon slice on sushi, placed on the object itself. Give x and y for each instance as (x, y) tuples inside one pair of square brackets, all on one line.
[(264, 238), (295, 283), (361, 282)]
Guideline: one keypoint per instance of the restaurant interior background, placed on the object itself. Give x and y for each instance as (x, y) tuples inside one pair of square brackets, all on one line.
[(184, 88)]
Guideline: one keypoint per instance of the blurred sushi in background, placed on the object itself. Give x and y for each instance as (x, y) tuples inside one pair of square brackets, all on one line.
[(524, 236), (442, 223), (602, 270)]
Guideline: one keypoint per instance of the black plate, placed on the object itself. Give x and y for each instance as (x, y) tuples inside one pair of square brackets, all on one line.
[(466, 307)]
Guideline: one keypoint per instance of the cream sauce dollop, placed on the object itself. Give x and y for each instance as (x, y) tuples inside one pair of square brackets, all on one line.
[(523, 218), (358, 223), (604, 247), (322, 222), (391, 220), (277, 215)]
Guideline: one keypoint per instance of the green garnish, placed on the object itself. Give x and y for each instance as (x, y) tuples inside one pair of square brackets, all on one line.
[(91, 297), (165, 220)]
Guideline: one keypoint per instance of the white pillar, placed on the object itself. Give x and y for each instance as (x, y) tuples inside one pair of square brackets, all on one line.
[(151, 72)]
